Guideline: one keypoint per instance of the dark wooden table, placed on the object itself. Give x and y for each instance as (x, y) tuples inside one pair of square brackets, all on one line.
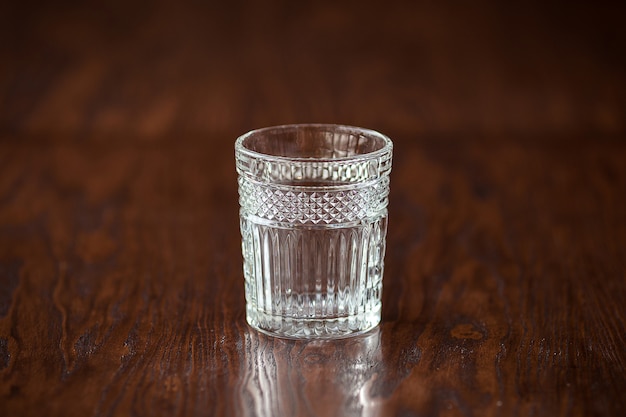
[(121, 289)]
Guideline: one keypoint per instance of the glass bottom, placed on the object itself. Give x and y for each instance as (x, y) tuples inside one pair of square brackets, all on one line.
[(313, 328)]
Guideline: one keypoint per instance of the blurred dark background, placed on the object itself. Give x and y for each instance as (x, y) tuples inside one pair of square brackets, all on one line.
[(159, 69)]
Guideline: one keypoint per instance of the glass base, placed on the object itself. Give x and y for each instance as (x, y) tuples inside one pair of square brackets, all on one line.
[(311, 328)]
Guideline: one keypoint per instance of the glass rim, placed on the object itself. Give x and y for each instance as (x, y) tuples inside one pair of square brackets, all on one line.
[(385, 149)]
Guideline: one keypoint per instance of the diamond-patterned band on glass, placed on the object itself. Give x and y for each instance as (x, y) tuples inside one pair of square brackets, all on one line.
[(318, 205)]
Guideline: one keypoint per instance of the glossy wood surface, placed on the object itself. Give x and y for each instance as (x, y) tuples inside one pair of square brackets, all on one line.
[(121, 289)]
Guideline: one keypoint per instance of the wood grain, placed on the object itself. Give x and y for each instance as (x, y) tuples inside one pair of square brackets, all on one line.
[(121, 289)]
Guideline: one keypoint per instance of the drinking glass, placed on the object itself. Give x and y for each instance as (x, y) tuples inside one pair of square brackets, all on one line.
[(313, 216)]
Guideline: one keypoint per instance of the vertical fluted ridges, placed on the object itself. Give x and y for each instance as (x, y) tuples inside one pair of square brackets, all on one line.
[(314, 281)]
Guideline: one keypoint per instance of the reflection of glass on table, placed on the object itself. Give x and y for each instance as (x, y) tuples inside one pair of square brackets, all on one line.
[(289, 378)]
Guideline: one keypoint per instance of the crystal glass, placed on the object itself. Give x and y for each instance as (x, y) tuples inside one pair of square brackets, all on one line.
[(313, 222)]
